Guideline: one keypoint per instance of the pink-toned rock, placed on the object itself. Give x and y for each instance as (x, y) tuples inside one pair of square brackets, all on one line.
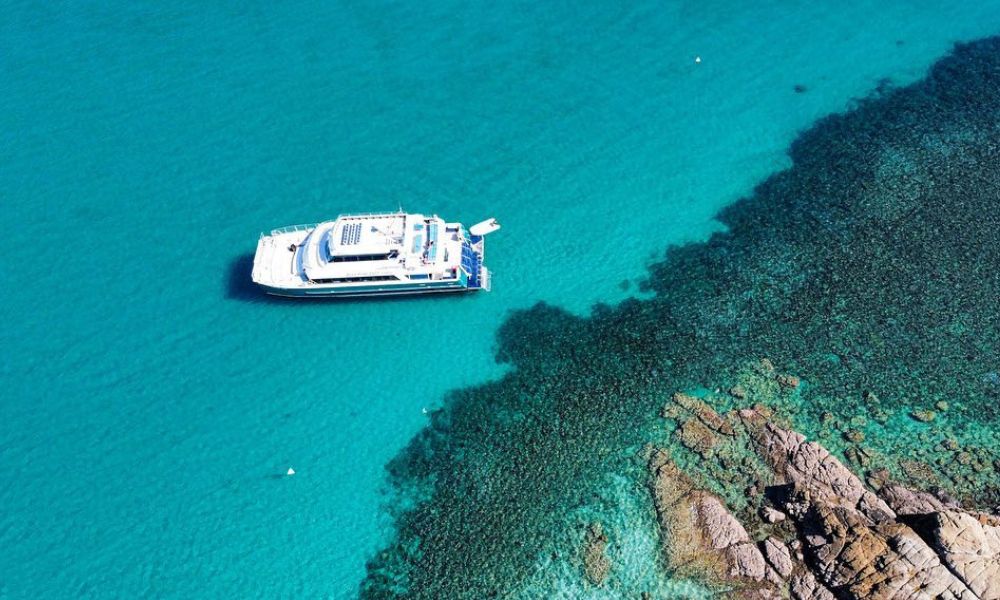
[(778, 557), (849, 541), (811, 467), (803, 586), (855, 544), (703, 538), (969, 545), (771, 515), (909, 502), (746, 562), (720, 526)]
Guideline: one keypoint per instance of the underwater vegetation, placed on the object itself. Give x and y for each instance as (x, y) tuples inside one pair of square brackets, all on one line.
[(870, 269)]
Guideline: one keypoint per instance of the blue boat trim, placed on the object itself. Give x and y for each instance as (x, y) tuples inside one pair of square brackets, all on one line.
[(472, 264)]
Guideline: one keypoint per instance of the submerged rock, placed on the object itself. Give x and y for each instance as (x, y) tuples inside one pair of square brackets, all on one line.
[(788, 381), (694, 435), (704, 413), (702, 538), (854, 436), (596, 565)]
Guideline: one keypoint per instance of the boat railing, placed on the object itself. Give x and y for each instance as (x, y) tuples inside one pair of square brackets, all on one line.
[(370, 214), (294, 228), (308, 226)]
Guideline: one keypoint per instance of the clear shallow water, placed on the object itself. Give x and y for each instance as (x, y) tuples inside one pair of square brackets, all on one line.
[(151, 397)]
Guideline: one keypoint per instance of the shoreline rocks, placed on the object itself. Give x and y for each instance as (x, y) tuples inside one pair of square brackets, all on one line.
[(819, 532)]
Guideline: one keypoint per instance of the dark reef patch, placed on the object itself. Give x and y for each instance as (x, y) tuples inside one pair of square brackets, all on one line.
[(870, 268)]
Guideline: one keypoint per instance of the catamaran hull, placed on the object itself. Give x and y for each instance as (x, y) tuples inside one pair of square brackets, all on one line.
[(362, 293), (376, 254)]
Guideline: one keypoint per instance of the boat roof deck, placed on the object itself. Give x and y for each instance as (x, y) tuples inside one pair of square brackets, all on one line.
[(382, 243), (353, 236)]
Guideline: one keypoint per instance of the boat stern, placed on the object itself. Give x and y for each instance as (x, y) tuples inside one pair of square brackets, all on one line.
[(277, 263)]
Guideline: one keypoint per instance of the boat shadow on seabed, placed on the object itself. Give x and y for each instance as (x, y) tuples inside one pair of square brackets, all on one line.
[(240, 287)]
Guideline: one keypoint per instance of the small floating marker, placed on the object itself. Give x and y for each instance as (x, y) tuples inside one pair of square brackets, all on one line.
[(697, 59), (290, 472), (424, 410)]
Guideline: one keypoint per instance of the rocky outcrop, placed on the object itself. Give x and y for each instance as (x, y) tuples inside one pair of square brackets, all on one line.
[(810, 466), (803, 586), (823, 533), (858, 558), (909, 502), (700, 427), (703, 538), (726, 535), (703, 412), (969, 545), (778, 557)]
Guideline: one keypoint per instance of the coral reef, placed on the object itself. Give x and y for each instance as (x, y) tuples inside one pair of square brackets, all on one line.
[(870, 270)]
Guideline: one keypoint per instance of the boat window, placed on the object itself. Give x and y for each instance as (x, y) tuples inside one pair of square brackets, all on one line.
[(365, 257), (356, 279), (420, 276)]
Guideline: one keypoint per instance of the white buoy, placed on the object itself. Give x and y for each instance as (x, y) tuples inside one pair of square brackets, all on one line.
[(697, 59), (424, 410), (290, 472)]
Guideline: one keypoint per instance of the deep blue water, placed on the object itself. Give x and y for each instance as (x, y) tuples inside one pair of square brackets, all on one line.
[(152, 398)]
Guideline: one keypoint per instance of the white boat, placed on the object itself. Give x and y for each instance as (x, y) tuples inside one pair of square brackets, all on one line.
[(376, 254)]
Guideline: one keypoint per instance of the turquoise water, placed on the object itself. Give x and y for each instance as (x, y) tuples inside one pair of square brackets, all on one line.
[(152, 399)]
